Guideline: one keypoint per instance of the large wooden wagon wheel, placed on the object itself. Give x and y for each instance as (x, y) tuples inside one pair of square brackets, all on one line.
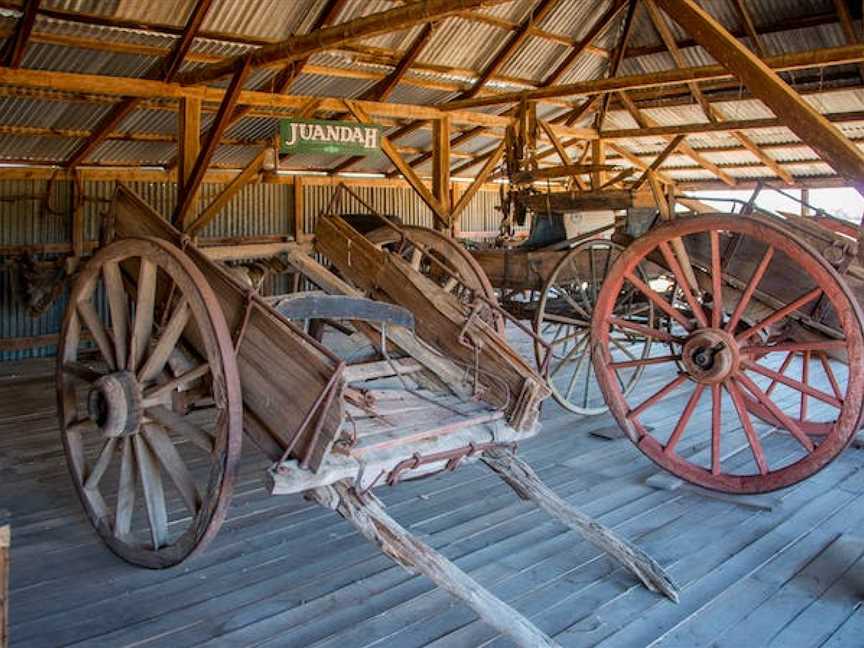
[(472, 279), (746, 284), (151, 419), (564, 321)]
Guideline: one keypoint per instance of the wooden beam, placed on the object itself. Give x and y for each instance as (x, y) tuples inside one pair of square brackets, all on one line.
[(713, 114), (16, 45), (848, 27), (748, 26), (579, 48), (188, 139), (367, 515), (381, 90), (247, 175), (831, 144), (637, 162), (186, 200), (671, 147), (165, 70), (441, 163), (304, 45), (439, 211), (474, 187), (645, 121), (796, 61), (514, 42), (615, 64)]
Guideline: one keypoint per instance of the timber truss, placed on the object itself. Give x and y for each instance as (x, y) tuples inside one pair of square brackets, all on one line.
[(571, 113)]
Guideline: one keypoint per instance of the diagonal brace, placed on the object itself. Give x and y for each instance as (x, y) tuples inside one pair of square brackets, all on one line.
[(522, 478)]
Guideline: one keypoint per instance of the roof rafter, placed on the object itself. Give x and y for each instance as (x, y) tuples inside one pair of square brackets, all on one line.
[(13, 51), (165, 70)]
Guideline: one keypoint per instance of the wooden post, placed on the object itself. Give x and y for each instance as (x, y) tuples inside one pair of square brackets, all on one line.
[(299, 205), (4, 586), (805, 199), (367, 515), (522, 478), (188, 139), (441, 164)]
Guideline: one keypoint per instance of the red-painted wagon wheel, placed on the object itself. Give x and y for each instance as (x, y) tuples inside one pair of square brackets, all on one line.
[(472, 280), (151, 419), (744, 284), (563, 320)]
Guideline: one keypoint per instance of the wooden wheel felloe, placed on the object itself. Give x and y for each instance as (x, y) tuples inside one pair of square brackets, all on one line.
[(750, 298), (472, 280), (151, 419), (563, 319)]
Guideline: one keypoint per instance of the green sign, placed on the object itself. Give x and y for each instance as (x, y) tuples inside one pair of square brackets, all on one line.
[(332, 137)]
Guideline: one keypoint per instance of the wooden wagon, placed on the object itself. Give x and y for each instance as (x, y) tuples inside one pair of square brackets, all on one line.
[(166, 358)]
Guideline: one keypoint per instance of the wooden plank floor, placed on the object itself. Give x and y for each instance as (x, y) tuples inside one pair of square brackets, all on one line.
[(785, 569)]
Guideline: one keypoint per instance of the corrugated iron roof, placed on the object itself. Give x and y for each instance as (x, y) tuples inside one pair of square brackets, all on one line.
[(459, 49)]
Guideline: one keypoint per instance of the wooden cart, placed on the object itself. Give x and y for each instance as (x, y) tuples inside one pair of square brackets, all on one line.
[(166, 358), (759, 313)]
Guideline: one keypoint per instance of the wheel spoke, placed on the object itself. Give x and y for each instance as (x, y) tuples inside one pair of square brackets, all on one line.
[(619, 344), (781, 416), (683, 283), (752, 437), (716, 412), (563, 319), (94, 324), (173, 464), (578, 308), (677, 433), (144, 307), (642, 362), (794, 384), (829, 373), (647, 331), (125, 490), (82, 372), (119, 309), (102, 463), (171, 421), (166, 344), (576, 369), (805, 379), (569, 354), (716, 281), (749, 290), (154, 493), (779, 314), (661, 303), (783, 367), (657, 396), (794, 347), (156, 394)]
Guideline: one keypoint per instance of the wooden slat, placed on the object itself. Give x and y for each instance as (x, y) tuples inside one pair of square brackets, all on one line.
[(5, 540)]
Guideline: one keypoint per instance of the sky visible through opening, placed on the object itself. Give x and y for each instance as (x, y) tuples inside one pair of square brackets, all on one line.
[(843, 203)]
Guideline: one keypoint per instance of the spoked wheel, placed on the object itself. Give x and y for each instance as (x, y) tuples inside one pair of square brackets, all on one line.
[(746, 284), (472, 279), (564, 321), (152, 419)]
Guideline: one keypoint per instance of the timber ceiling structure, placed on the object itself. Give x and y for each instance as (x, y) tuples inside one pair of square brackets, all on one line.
[(90, 83)]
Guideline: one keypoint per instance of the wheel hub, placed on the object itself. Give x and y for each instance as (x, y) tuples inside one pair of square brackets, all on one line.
[(710, 356), (114, 403)]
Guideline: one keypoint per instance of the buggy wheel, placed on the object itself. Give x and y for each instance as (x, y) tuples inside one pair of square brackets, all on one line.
[(151, 419), (563, 320), (422, 244), (745, 284)]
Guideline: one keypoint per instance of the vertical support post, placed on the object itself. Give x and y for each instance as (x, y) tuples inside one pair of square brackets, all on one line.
[(77, 224), (805, 200), (598, 157), (299, 235), (441, 163), (4, 586), (189, 129)]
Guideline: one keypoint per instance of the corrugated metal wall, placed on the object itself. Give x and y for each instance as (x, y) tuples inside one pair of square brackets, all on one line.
[(259, 210)]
